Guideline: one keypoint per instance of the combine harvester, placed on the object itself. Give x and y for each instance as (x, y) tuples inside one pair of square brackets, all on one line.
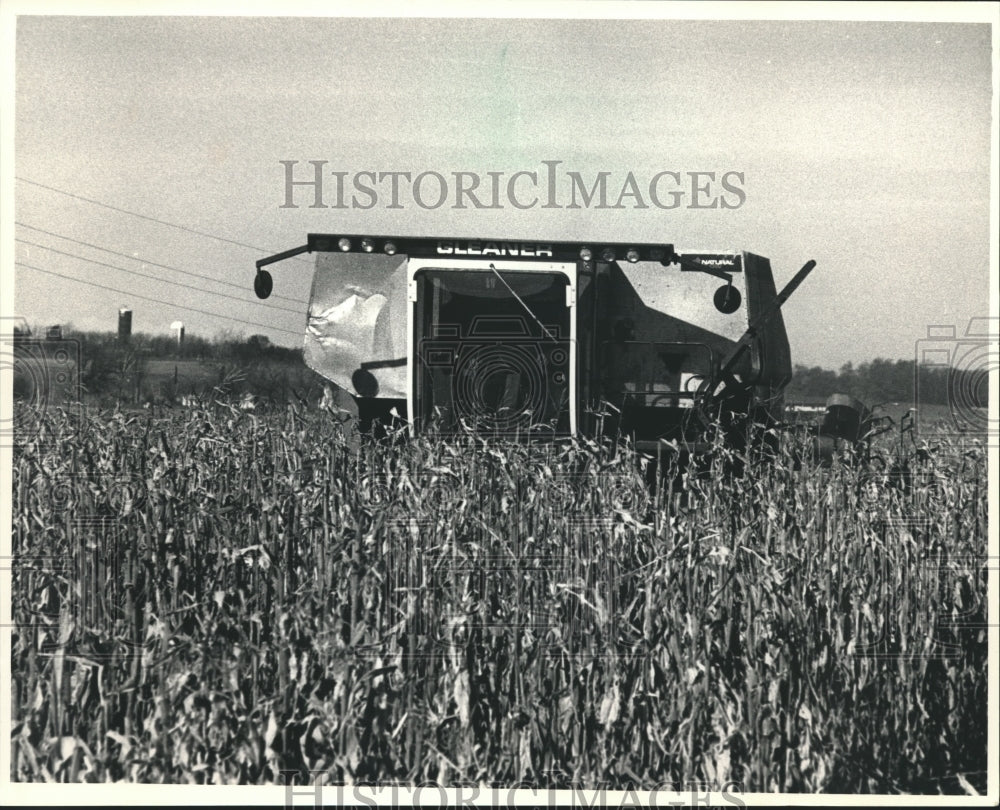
[(520, 339)]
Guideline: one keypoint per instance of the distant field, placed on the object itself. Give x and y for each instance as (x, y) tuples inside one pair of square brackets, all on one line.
[(934, 420), (187, 371), (56, 375)]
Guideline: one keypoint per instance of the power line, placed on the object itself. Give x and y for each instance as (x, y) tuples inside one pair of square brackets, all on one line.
[(155, 300), (146, 217), (147, 275), (147, 261)]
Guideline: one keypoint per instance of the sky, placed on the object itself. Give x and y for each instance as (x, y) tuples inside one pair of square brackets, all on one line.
[(862, 145)]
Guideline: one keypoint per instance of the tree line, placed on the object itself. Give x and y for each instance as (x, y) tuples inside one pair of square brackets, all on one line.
[(110, 365), (132, 370), (883, 381)]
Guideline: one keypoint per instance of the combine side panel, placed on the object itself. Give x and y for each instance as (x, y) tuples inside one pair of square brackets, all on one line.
[(356, 328), (664, 330)]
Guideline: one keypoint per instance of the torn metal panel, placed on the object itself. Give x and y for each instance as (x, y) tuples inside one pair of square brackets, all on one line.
[(357, 320)]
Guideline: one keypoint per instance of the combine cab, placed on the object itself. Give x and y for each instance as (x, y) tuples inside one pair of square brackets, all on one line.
[(547, 339)]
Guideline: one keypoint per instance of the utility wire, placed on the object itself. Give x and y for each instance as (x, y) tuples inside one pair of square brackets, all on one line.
[(147, 261), (147, 275), (155, 300), (146, 217)]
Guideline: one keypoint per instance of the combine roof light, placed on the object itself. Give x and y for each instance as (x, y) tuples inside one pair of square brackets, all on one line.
[(585, 254), (390, 247), (608, 255), (344, 244), (367, 245), (632, 255)]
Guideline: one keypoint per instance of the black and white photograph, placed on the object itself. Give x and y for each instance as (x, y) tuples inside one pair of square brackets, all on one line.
[(578, 404)]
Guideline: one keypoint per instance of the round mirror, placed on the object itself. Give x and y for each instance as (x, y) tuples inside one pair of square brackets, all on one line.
[(727, 299), (263, 284)]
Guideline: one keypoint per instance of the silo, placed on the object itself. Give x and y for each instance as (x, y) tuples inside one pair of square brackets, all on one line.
[(124, 325), (177, 330)]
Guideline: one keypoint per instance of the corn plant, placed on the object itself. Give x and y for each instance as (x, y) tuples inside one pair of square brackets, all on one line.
[(218, 596)]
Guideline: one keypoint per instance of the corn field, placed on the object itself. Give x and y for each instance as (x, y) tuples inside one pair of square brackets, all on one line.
[(220, 597)]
